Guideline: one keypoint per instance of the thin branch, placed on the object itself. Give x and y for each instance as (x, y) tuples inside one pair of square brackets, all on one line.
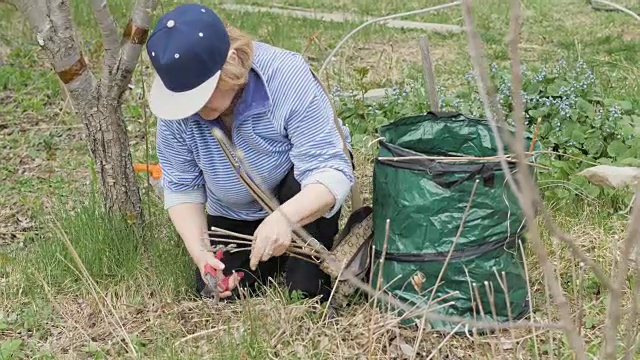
[(265, 197), (487, 93), (632, 319), (446, 263), (109, 30), (347, 274), (615, 299), (535, 196), (575, 249), (463, 222), (529, 187)]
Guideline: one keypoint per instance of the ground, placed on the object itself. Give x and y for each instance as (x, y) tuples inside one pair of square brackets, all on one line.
[(135, 296)]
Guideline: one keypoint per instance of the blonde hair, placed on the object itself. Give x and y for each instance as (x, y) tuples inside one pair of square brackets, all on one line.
[(236, 70)]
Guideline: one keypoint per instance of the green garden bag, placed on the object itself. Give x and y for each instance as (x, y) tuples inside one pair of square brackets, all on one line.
[(424, 201)]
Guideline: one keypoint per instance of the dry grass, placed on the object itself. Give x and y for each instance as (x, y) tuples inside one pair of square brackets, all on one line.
[(160, 325)]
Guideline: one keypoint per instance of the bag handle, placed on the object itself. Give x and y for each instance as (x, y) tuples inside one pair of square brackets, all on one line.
[(356, 197)]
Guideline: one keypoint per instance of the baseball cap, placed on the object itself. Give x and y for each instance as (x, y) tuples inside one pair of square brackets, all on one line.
[(187, 48)]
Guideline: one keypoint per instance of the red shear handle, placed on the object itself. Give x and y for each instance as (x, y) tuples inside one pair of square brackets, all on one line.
[(223, 285), (208, 269)]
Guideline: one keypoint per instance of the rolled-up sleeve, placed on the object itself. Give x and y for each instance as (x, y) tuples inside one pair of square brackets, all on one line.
[(182, 179), (317, 149)]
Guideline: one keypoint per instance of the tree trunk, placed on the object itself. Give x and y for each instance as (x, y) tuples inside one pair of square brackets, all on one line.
[(97, 102), (109, 146)]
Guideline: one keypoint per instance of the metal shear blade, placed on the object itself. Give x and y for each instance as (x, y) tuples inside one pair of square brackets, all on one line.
[(211, 278), (213, 283)]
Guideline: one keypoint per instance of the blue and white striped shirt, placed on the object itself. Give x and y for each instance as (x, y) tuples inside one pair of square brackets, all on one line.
[(282, 119)]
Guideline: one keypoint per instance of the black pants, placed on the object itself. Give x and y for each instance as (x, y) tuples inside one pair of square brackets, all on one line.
[(301, 276)]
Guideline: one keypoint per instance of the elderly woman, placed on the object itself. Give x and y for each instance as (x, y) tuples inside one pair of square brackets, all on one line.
[(275, 112)]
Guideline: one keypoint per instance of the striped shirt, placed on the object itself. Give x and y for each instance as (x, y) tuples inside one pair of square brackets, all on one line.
[(283, 119)]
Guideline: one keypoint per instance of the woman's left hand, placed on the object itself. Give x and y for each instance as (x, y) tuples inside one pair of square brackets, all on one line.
[(273, 237)]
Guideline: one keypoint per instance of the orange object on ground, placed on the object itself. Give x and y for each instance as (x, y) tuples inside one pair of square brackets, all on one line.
[(153, 169)]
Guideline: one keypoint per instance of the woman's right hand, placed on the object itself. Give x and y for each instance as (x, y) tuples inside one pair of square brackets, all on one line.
[(209, 258), (190, 222)]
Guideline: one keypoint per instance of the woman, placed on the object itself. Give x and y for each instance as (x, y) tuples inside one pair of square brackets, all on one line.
[(275, 112)]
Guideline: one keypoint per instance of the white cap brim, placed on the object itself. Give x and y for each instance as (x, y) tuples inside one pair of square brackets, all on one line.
[(170, 105)]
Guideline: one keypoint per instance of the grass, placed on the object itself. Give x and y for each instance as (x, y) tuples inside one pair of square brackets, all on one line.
[(143, 302)]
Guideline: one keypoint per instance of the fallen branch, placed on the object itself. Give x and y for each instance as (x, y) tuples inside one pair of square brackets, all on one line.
[(487, 92)]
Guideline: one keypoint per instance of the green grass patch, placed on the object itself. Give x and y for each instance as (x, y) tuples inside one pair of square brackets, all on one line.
[(114, 253)]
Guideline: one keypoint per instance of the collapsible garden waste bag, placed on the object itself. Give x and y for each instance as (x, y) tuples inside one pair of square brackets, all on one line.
[(424, 201)]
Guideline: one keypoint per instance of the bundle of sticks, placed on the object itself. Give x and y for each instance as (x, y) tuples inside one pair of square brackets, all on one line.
[(230, 241)]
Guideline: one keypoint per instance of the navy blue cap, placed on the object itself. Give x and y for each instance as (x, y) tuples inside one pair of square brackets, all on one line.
[(187, 48)]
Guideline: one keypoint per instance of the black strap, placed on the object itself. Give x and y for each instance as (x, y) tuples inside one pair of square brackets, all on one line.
[(462, 253), (486, 172), (444, 114)]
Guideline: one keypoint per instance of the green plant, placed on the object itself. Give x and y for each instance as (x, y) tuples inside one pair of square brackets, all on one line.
[(364, 116), (10, 349), (580, 125)]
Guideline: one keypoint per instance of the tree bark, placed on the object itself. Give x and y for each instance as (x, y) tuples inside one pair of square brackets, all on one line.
[(97, 102), (109, 146)]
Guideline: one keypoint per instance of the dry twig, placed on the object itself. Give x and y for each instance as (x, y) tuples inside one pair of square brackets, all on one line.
[(526, 181), (446, 261), (615, 299), (524, 194)]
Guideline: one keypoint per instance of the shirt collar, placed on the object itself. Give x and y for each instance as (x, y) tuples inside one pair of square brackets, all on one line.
[(255, 98)]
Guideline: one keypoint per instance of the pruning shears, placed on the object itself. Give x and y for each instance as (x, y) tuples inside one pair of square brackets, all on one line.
[(214, 285)]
